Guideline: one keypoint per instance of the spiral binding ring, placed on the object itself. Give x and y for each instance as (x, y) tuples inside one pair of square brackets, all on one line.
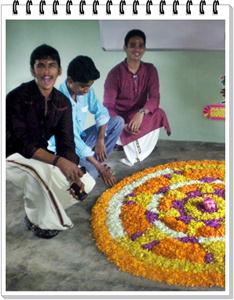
[(201, 7), (95, 4), (215, 4), (175, 4), (188, 4), (14, 7), (68, 7), (108, 4), (28, 4), (81, 7), (121, 7), (134, 7), (41, 7), (148, 4), (161, 7), (55, 4), (122, 3)]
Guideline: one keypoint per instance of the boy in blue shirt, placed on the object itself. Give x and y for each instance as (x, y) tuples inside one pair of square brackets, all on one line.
[(95, 143)]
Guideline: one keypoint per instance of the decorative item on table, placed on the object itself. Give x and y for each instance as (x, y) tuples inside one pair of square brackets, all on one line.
[(216, 111)]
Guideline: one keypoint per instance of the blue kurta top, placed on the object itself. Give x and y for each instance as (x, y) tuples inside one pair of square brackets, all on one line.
[(80, 108)]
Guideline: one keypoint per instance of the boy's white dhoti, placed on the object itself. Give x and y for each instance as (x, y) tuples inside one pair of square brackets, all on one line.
[(45, 191), (141, 148)]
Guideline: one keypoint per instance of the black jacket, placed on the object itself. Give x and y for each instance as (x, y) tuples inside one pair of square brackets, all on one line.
[(31, 121)]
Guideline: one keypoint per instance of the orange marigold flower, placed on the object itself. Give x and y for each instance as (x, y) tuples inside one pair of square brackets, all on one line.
[(152, 186), (208, 231), (177, 225), (175, 249), (134, 219), (165, 203)]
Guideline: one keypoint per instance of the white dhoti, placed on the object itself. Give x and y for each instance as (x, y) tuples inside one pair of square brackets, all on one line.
[(45, 191), (141, 148)]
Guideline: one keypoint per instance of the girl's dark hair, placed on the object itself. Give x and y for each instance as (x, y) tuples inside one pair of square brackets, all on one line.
[(44, 51), (82, 69), (132, 33)]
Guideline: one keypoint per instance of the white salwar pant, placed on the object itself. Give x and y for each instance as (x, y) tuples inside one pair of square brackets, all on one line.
[(45, 191), (141, 148)]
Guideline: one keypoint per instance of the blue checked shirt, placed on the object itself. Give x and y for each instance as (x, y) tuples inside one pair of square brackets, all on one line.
[(85, 103)]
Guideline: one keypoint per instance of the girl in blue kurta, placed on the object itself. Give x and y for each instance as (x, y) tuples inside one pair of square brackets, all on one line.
[(94, 144)]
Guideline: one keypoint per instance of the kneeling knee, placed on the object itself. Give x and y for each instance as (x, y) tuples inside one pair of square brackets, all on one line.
[(119, 121)]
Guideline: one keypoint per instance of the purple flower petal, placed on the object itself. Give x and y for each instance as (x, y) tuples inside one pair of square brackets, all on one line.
[(220, 192), (177, 204), (136, 235), (209, 258), (131, 195), (163, 189), (182, 211), (194, 194), (168, 176), (184, 201), (178, 172), (190, 239), (129, 202), (185, 219), (151, 216), (212, 223), (208, 179), (150, 245), (201, 207)]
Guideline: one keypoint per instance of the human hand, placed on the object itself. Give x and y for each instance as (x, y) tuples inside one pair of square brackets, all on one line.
[(100, 150), (135, 123), (71, 171), (128, 130), (75, 191), (107, 175)]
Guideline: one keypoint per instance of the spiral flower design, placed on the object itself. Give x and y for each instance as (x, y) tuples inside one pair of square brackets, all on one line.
[(166, 223)]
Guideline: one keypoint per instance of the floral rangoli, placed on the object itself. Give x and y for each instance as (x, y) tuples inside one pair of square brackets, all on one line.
[(166, 223)]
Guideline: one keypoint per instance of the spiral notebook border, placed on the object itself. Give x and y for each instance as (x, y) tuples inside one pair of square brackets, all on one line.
[(191, 9), (122, 3)]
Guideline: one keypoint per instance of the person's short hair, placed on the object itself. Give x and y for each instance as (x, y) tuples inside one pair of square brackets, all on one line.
[(82, 69), (44, 51), (133, 33)]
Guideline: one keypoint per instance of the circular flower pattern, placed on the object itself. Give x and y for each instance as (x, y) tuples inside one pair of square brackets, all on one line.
[(166, 223)]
